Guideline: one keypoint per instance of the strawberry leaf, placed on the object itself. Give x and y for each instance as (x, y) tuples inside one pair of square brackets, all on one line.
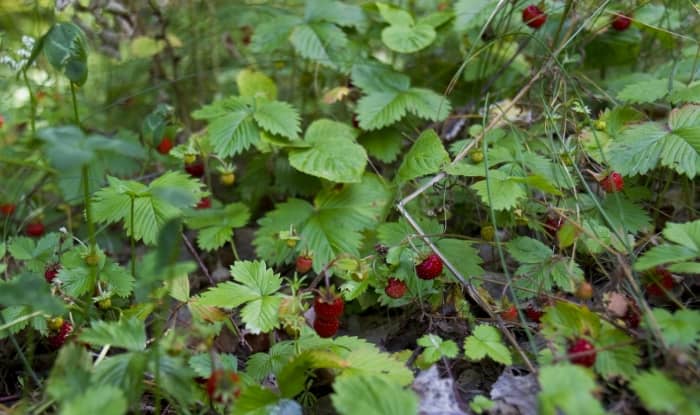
[(426, 156), (569, 389), (685, 246), (372, 395), (661, 394), (127, 334), (435, 348), (486, 341)]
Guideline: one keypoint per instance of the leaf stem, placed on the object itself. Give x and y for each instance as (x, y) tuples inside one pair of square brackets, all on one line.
[(32, 103), (132, 240)]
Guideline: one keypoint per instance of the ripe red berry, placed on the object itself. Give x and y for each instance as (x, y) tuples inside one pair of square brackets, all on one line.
[(51, 272), (223, 384), (621, 22), (165, 145), (534, 17), (304, 264), (35, 229), (553, 224), (246, 34), (57, 339), (195, 169), (632, 316), (7, 209), (584, 291), (395, 288), (430, 268), (533, 314), (510, 314), (204, 203), (661, 277), (2, 120), (613, 182), (581, 346), (328, 306), (326, 327)]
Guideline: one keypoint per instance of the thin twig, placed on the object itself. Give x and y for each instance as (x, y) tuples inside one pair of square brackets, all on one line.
[(198, 259)]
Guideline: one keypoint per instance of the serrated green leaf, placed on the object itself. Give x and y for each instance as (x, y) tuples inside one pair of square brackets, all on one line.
[(568, 320), (380, 109), (318, 41), (334, 155), (252, 83), (427, 104), (128, 334), (100, 399), (617, 356), (660, 394), (486, 341), (426, 156), (374, 77), (277, 117), (645, 91), (463, 256), (686, 235), (384, 145), (436, 348), (372, 395), (499, 191), (125, 371), (681, 329), (65, 47), (394, 15), (30, 290), (408, 39), (569, 389), (201, 363)]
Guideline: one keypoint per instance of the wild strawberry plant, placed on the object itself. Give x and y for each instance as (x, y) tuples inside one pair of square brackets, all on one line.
[(228, 207)]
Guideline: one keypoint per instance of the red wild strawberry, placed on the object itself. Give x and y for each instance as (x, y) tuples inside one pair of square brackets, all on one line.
[(613, 182), (510, 314), (395, 288), (553, 224), (51, 272), (165, 145), (7, 209), (326, 327), (660, 277), (2, 120), (222, 385), (57, 340), (195, 169), (430, 268), (35, 229), (621, 22), (533, 314), (582, 346), (304, 263), (204, 203), (534, 17), (246, 34), (328, 305)]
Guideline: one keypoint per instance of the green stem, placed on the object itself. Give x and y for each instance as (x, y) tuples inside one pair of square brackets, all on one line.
[(32, 103), (132, 240), (75, 104)]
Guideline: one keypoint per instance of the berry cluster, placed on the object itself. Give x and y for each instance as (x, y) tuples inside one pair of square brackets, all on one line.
[(328, 307)]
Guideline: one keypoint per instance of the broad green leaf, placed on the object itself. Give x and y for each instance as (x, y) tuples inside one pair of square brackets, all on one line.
[(145, 47), (252, 83), (216, 225), (384, 145), (394, 15), (645, 91), (486, 341), (499, 191), (408, 39), (374, 77), (661, 394), (680, 329), (617, 356), (30, 290), (426, 156), (202, 363), (277, 117), (65, 47), (687, 238), (372, 395), (381, 109), (318, 42), (338, 12), (98, 399), (463, 256), (568, 320), (231, 129), (334, 155), (70, 373), (569, 389), (128, 334), (125, 371), (467, 10)]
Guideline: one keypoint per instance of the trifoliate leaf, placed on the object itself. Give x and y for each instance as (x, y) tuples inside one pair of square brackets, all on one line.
[(255, 286), (499, 191), (435, 348), (486, 341)]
